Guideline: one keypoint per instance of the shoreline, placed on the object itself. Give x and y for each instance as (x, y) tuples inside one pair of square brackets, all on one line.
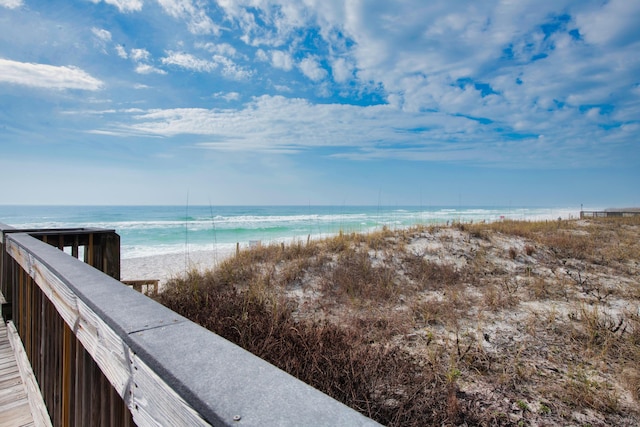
[(163, 267)]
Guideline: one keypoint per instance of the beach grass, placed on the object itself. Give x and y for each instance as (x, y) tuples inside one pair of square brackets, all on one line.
[(505, 323)]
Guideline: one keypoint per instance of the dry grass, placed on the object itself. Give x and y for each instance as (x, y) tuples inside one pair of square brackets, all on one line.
[(510, 323)]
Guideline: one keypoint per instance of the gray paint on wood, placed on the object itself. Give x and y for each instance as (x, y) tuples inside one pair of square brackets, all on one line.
[(224, 381)]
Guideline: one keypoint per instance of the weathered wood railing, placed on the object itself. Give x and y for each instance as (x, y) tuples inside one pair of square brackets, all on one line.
[(104, 354), (100, 248), (608, 214)]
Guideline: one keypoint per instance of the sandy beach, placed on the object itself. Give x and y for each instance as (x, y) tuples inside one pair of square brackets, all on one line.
[(165, 267)]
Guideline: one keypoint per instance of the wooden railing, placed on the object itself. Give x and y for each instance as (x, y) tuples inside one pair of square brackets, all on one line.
[(104, 354), (100, 248), (608, 214)]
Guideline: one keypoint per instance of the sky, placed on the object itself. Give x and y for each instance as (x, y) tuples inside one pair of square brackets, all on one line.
[(344, 102)]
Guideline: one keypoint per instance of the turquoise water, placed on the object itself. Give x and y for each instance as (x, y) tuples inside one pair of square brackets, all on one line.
[(155, 230)]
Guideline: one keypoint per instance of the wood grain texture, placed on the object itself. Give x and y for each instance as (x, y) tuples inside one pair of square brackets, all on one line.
[(36, 403), (151, 401), (15, 409)]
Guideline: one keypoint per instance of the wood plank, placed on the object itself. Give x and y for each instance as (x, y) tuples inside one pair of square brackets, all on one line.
[(7, 368), (155, 403), (37, 407), (16, 416), (14, 402), (12, 394)]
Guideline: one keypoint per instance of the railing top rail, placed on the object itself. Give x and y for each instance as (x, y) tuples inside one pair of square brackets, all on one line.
[(59, 230), (225, 384), (7, 229)]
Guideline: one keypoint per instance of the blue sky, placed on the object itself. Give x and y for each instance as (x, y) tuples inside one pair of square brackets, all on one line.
[(320, 102)]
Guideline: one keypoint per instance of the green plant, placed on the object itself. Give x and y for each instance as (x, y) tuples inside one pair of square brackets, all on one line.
[(544, 409), (522, 405), (453, 374)]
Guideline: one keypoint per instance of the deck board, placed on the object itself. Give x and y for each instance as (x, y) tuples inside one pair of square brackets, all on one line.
[(14, 401)]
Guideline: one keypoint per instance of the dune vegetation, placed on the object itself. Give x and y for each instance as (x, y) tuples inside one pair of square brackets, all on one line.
[(505, 323)]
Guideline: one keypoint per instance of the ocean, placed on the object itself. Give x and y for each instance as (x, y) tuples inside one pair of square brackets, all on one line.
[(159, 230)]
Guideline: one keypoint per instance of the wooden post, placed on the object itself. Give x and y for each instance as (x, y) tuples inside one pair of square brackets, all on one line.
[(74, 248), (66, 375), (111, 253), (88, 253)]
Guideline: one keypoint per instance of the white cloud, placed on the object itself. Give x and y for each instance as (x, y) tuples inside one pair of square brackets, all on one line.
[(188, 61), (276, 123), (103, 38), (218, 48), (101, 34), (261, 55), (282, 60), (124, 5), (226, 66), (283, 88), (231, 69), (418, 50), (197, 20), (341, 70), (148, 69), (501, 70), (311, 68), (139, 54), (47, 76), (267, 23), (11, 4), (615, 23), (227, 96), (122, 53)]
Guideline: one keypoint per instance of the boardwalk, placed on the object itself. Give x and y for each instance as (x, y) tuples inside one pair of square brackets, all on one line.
[(14, 402), (106, 354)]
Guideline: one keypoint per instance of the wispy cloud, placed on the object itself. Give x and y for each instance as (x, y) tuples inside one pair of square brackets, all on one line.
[(124, 5), (363, 133), (47, 76), (188, 61), (231, 69), (11, 4), (103, 38), (148, 69), (101, 34), (122, 52), (139, 54), (218, 48), (197, 20), (227, 96)]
